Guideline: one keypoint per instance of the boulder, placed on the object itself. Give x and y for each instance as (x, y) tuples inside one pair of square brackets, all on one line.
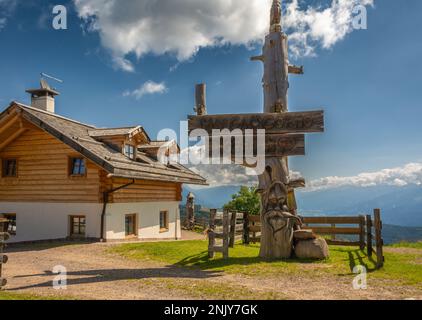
[(312, 249), (304, 235)]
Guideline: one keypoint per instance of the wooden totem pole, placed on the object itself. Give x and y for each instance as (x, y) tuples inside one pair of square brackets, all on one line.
[(278, 223), (284, 136), (190, 212)]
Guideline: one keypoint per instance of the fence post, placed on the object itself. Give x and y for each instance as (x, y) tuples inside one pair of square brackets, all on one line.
[(233, 219), (211, 235), (378, 238), (246, 238), (369, 235), (226, 234), (333, 236), (362, 232)]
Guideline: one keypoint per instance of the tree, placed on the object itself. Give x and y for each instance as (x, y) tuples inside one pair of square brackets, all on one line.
[(246, 200)]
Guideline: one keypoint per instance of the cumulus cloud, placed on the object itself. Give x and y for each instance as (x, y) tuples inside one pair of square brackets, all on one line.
[(311, 27), (182, 27), (232, 175), (149, 87), (410, 174)]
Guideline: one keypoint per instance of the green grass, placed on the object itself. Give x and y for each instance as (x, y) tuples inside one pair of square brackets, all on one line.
[(403, 268), (413, 245), (7, 295)]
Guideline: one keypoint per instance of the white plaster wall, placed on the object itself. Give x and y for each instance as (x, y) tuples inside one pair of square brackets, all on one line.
[(148, 220), (49, 221)]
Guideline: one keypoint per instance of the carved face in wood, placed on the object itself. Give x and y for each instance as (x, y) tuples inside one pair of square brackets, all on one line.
[(276, 210)]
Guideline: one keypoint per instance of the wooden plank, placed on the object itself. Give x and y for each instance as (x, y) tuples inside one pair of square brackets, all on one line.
[(254, 219), (343, 243), (329, 230), (276, 145), (291, 122), (233, 216), (226, 230), (369, 235), (378, 238), (246, 232), (211, 236), (255, 228), (331, 220), (362, 232)]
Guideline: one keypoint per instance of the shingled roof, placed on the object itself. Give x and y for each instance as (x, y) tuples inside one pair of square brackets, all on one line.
[(80, 137)]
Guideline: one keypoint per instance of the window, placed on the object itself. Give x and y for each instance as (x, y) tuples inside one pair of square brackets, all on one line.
[(129, 151), (9, 168), (77, 167), (12, 223), (130, 225), (164, 221), (77, 226)]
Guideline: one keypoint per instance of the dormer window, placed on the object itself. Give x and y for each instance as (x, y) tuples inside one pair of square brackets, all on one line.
[(77, 167), (129, 151)]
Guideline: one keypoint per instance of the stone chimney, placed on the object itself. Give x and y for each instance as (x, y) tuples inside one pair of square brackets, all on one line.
[(43, 98)]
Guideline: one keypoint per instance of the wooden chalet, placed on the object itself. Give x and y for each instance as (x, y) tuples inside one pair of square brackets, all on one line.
[(61, 178)]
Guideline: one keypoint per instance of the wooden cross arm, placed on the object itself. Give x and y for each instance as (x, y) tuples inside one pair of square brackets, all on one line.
[(296, 70), (297, 183), (258, 58)]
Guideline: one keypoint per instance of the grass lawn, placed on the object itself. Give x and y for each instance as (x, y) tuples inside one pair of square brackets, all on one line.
[(402, 268), (7, 295)]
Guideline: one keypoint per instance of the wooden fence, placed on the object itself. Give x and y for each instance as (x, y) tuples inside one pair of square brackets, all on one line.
[(367, 230), (224, 226)]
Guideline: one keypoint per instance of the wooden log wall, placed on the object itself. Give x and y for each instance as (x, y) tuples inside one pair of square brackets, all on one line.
[(146, 191), (43, 171)]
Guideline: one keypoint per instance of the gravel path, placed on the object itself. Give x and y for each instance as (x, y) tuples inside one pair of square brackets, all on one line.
[(93, 273)]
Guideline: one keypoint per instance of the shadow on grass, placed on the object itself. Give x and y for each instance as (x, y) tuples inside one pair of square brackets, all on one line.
[(114, 275), (203, 262), (358, 257)]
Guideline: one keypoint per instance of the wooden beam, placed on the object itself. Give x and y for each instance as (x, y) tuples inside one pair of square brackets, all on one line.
[(11, 138), (292, 122), (276, 145), (296, 70), (330, 230), (10, 123), (330, 220)]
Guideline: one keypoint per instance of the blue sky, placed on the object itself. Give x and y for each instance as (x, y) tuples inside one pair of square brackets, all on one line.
[(368, 83)]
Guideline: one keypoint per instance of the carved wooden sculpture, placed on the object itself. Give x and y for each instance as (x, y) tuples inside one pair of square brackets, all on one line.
[(278, 224), (190, 211), (284, 136)]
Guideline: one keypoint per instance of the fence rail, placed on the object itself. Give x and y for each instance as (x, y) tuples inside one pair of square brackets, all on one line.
[(234, 226), (368, 231)]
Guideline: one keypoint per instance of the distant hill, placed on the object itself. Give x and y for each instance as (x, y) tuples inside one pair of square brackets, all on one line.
[(401, 206)]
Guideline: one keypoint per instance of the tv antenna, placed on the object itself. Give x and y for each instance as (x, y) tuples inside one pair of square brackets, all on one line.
[(44, 75)]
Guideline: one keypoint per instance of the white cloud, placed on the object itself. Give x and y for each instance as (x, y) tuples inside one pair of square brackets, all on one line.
[(312, 27), (410, 174), (231, 175), (123, 64), (149, 87), (182, 27)]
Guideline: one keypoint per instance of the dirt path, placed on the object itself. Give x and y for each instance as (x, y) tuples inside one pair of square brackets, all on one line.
[(93, 273)]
